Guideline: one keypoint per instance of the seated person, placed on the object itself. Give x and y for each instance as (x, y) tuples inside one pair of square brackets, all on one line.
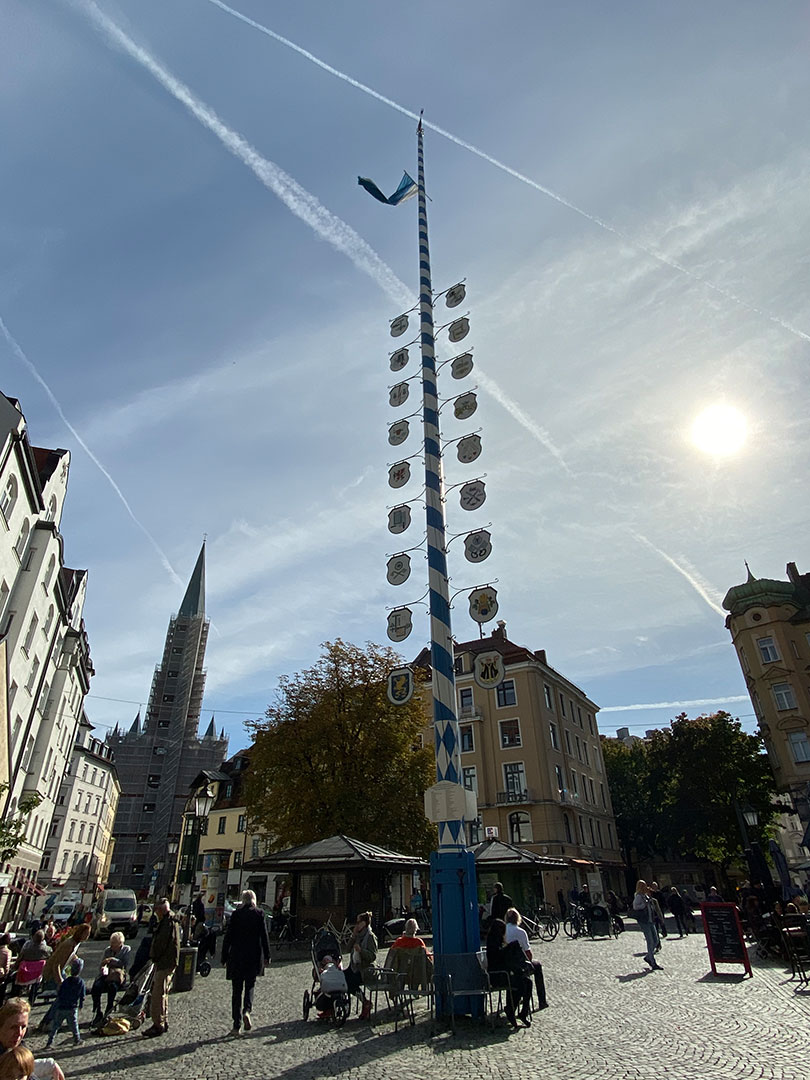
[(515, 932), (504, 963), (409, 956), (112, 977), (35, 948)]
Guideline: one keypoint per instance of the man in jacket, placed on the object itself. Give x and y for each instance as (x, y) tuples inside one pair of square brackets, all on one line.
[(164, 953), (245, 952)]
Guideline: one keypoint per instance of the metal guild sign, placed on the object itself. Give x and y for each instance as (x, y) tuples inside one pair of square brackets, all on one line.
[(400, 685), (399, 474), (399, 326), (398, 432), (399, 569), (461, 365), (463, 406), (469, 448), (399, 518), (478, 546), (454, 296), (399, 359), (488, 670), (458, 329), (483, 604), (471, 496), (400, 623), (399, 394)]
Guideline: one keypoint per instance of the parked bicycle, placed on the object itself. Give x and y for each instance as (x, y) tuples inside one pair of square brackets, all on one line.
[(289, 934), (543, 923)]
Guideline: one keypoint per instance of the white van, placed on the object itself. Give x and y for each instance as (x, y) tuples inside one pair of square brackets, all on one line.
[(117, 909)]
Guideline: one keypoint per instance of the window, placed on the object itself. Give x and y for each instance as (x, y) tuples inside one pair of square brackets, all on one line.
[(29, 635), (237, 859), (46, 629), (469, 778), (505, 693), (8, 499), (138, 868), (593, 793), (585, 752), (590, 723), (610, 834), (562, 705), (767, 650), (579, 747), (159, 750), (552, 730), (29, 751), (520, 828), (783, 696), (800, 745), (46, 581), (467, 738), (55, 827), (93, 778), (574, 783), (602, 793), (240, 823), (568, 740), (84, 771), (142, 838), (164, 724), (90, 835), (228, 790), (51, 512), (149, 807), (80, 837), (458, 665), (599, 832), (474, 831), (567, 826), (71, 827), (254, 848), (510, 733), (87, 804), (560, 781), (168, 697), (22, 539), (548, 696), (593, 836), (153, 780), (514, 778), (221, 825), (579, 716), (581, 829), (46, 861), (5, 592), (465, 700)]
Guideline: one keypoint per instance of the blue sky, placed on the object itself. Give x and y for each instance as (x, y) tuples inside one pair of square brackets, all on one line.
[(223, 351)]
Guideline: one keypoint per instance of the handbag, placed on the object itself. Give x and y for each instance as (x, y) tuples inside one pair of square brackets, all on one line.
[(514, 959)]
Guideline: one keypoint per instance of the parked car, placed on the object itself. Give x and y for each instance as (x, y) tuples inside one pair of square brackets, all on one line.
[(117, 909)]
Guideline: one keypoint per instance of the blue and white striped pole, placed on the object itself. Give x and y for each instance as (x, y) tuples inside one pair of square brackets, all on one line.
[(453, 880)]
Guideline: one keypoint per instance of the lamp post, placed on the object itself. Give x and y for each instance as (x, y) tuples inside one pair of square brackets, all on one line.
[(197, 809), (758, 869), (172, 848)]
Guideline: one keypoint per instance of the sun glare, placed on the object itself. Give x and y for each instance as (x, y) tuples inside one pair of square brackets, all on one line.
[(720, 430)]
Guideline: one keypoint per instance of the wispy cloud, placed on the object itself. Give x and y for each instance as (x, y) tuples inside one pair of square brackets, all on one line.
[(695, 703), (647, 248), (22, 357), (535, 430), (297, 199), (703, 589)]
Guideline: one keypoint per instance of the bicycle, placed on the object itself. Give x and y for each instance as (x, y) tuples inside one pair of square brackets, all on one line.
[(575, 923), (290, 935), (546, 922), (344, 934)]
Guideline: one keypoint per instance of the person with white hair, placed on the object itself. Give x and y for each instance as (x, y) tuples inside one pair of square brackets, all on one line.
[(245, 954)]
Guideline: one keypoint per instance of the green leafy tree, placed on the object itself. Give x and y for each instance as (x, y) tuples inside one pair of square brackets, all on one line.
[(12, 829), (674, 793), (333, 755)]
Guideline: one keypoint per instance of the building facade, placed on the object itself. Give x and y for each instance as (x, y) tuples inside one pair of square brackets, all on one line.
[(48, 666), (769, 623), (158, 759), (79, 846), (530, 751)]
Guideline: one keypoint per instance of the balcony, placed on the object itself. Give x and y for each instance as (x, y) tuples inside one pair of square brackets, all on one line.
[(506, 797), (469, 712), (567, 796)]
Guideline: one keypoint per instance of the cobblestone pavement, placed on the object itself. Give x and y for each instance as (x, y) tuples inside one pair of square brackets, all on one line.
[(608, 1018)]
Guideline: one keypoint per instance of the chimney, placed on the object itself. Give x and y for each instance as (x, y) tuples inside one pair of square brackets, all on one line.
[(540, 654), (793, 574), (622, 733), (499, 633)]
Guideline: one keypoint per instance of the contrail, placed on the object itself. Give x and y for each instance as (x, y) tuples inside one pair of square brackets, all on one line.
[(673, 264), (525, 421), (696, 704), (18, 352), (702, 589), (296, 198)]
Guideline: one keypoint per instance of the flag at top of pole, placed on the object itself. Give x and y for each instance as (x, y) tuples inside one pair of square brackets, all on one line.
[(406, 189)]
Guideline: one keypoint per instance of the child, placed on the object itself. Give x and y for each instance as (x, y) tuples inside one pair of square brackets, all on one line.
[(69, 999), (16, 1064)]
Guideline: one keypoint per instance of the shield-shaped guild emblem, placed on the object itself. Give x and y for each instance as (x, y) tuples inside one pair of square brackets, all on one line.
[(488, 670), (399, 474), (454, 296), (400, 685), (399, 359), (399, 569), (483, 604), (461, 365), (472, 495), (399, 518), (398, 432), (459, 329), (399, 325), (400, 623), (469, 448), (465, 405), (398, 394), (477, 546)]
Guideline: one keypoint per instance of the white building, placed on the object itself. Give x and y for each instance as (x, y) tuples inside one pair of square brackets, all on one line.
[(79, 845), (47, 654)]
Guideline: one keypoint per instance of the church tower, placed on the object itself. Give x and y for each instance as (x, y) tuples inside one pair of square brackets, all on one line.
[(159, 757)]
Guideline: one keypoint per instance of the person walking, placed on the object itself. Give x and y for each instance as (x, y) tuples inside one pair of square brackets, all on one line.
[(245, 953), (69, 999), (644, 912), (164, 953), (500, 903), (678, 909)]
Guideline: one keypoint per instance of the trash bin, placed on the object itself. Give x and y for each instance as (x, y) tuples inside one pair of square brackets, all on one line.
[(186, 968)]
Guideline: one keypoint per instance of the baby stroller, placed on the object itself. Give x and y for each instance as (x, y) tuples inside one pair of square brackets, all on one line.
[(329, 993), (134, 1002), (206, 946)]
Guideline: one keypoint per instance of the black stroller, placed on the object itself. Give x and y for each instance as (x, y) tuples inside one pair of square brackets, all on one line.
[(329, 993)]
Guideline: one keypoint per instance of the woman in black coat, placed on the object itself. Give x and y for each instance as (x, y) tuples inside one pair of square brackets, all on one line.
[(245, 952), (507, 971)]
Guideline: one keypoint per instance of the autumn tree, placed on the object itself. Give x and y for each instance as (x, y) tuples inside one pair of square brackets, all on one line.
[(12, 829), (333, 755)]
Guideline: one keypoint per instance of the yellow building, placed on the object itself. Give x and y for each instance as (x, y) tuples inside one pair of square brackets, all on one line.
[(530, 751), (769, 623)]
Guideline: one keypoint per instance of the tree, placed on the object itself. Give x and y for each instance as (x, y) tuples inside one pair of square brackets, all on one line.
[(12, 829), (333, 755), (675, 791)]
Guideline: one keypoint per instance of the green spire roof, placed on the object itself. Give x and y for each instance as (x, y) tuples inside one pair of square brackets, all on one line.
[(759, 592), (194, 600)]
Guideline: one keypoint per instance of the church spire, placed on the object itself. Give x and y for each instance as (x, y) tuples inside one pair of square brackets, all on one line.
[(194, 600), (210, 732), (135, 729)]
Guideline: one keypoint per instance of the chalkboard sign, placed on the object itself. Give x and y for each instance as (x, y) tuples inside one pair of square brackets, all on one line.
[(724, 936)]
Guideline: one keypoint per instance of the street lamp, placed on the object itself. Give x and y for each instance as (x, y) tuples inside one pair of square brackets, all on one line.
[(197, 809)]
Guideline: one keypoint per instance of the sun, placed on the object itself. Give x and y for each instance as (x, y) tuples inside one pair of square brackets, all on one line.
[(720, 430)]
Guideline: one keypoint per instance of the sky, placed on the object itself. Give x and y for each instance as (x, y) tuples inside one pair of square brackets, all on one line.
[(195, 298)]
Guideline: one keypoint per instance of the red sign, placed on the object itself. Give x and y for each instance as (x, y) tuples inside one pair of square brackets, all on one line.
[(724, 936)]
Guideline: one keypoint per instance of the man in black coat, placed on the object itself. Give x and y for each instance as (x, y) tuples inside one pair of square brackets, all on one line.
[(501, 903), (245, 952)]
